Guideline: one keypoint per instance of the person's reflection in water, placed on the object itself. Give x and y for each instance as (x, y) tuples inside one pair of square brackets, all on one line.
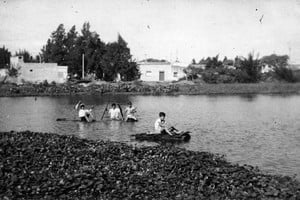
[(114, 128), (82, 129), (114, 125)]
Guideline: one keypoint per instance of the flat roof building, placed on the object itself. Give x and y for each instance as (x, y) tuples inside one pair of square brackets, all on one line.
[(39, 72)]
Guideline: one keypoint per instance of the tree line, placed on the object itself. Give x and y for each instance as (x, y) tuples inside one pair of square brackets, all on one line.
[(103, 60), (240, 69)]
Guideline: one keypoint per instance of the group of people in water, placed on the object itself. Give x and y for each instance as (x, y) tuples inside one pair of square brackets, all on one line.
[(115, 113)]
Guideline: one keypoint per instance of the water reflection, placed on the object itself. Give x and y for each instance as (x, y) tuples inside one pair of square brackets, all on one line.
[(249, 97)]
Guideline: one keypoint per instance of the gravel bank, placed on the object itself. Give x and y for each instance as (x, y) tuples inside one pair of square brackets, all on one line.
[(51, 166)]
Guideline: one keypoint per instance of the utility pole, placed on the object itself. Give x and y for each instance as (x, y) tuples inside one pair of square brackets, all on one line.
[(83, 66)]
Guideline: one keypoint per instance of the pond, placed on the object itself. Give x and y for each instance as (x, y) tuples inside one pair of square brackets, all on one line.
[(260, 130)]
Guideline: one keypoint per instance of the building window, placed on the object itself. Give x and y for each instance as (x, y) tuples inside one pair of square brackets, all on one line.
[(175, 74), (148, 73), (31, 70)]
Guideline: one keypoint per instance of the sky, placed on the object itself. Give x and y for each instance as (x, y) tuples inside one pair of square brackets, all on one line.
[(162, 29)]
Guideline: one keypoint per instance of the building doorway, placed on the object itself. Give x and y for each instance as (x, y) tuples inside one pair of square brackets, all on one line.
[(161, 76)]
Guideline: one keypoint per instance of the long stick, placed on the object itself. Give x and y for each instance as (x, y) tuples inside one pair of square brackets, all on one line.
[(121, 111), (83, 66), (105, 110)]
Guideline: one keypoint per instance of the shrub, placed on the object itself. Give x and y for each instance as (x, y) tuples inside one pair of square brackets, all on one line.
[(242, 76), (251, 67), (297, 75), (193, 72), (13, 72), (210, 76), (284, 73), (225, 78), (220, 75), (45, 83)]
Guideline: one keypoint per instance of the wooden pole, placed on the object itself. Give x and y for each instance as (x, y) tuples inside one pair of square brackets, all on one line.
[(83, 66)]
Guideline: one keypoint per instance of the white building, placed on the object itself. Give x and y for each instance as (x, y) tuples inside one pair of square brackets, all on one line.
[(39, 72), (161, 70), (265, 68), (3, 72)]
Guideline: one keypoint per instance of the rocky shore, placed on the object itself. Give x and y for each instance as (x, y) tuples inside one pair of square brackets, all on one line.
[(156, 88), (51, 166)]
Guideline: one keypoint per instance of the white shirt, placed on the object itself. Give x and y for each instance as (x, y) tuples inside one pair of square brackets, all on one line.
[(130, 112), (159, 125), (83, 112), (114, 113)]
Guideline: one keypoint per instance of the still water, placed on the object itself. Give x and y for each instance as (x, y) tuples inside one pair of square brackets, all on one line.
[(262, 130)]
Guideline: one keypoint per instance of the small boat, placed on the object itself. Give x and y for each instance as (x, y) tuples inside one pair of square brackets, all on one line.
[(93, 120), (73, 120), (131, 120), (182, 137)]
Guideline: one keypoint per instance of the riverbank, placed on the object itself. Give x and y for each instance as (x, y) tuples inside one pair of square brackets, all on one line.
[(155, 88), (51, 166)]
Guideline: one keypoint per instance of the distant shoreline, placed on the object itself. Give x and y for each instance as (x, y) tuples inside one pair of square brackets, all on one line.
[(144, 88)]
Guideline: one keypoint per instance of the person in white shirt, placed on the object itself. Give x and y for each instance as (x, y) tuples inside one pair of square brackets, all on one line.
[(160, 125), (130, 112), (85, 115), (114, 112)]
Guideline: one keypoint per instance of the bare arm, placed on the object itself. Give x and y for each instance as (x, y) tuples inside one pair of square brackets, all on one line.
[(77, 105)]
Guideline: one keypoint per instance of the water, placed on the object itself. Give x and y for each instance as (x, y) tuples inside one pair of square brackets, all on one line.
[(261, 130)]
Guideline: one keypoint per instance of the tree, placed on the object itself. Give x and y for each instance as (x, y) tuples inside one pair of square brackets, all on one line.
[(4, 57), (280, 66), (97, 56), (47, 51), (90, 45), (103, 60), (237, 62), (118, 60), (126, 66), (55, 49), (27, 57), (72, 57), (193, 72), (275, 60), (212, 63), (285, 73), (250, 69)]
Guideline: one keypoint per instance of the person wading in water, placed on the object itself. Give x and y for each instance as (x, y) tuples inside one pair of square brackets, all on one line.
[(85, 115), (130, 113)]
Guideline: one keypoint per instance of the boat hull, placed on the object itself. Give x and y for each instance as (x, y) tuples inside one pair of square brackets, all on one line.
[(183, 137)]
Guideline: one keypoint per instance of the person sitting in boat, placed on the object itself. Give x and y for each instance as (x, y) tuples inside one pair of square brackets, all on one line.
[(129, 112), (85, 115), (160, 125), (114, 112)]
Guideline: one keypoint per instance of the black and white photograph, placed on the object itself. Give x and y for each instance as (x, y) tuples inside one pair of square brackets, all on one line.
[(150, 99)]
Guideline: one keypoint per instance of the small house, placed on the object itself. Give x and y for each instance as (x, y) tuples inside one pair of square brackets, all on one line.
[(161, 70), (39, 72)]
